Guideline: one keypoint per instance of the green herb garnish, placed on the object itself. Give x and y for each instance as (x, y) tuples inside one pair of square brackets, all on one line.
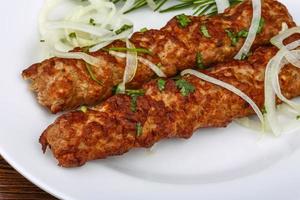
[(244, 56), (116, 89), (92, 22), (200, 7), (264, 110), (133, 103), (138, 50), (73, 35), (134, 94), (242, 34), (234, 37), (199, 61), (42, 40), (261, 25), (92, 75), (125, 27), (139, 129), (298, 117), (143, 30), (183, 20), (161, 83), (185, 87), (204, 31)]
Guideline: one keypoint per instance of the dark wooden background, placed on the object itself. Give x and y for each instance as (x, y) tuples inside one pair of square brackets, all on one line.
[(14, 186)]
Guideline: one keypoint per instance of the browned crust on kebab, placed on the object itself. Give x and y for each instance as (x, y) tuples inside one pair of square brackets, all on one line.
[(110, 129), (63, 84)]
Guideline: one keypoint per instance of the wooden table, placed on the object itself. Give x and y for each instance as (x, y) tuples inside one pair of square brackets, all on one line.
[(15, 186)]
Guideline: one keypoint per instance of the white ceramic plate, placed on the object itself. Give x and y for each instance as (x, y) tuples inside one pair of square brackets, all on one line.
[(232, 163)]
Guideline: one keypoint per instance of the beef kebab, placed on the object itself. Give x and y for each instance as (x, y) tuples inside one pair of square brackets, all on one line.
[(185, 42), (164, 108)]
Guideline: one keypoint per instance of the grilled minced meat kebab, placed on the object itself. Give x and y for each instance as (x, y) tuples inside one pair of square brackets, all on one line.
[(185, 42), (172, 108)]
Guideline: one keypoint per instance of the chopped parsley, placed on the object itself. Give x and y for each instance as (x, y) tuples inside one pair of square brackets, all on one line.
[(183, 20), (244, 56), (264, 110), (204, 31), (83, 109), (116, 89), (138, 50), (134, 94), (73, 35), (242, 34), (298, 117), (92, 75), (125, 27), (42, 40), (199, 61), (234, 37), (139, 129), (161, 83), (133, 103), (92, 22), (143, 30), (185, 87), (261, 25)]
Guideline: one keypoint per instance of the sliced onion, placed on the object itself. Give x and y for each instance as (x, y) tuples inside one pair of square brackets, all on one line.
[(278, 42), (292, 57), (256, 4), (284, 27), (128, 4), (272, 88), (287, 110), (117, 54), (222, 5), (98, 33), (249, 123), (152, 66), (48, 7), (146, 62), (130, 68), (278, 39), (282, 110), (285, 55), (107, 40), (228, 87), (278, 65), (270, 101), (77, 55), (151, 4)]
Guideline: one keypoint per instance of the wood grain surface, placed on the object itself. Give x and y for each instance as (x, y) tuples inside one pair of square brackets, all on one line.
[(14, 186)]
